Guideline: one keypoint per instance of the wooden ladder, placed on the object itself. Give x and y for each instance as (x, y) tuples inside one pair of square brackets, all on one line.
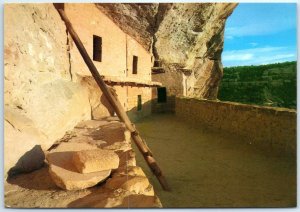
[(114, 102)]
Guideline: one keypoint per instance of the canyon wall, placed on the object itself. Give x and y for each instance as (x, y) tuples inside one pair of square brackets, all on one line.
[(181, 35)]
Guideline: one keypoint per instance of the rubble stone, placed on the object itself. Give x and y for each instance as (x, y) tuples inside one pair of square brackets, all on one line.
[(63, 171), (70, 180), (88, 161), (136, 184)]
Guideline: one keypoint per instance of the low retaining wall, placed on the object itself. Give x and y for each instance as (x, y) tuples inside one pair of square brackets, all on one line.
[(269, 127)]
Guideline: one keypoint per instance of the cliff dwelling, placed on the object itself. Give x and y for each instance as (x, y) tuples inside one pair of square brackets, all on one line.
[(115, 105)]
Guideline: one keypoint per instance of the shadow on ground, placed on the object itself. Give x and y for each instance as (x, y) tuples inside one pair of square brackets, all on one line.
[(213, 169), (37, 180)]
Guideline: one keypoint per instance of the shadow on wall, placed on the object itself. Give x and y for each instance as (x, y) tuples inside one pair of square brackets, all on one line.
[(139, 112), (100, 107), (172, 78), (30, 161), (167, 106), (153, 106), (106, 104)]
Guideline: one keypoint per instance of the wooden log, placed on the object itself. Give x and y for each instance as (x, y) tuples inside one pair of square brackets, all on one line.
[(113, 100), (157, 171)]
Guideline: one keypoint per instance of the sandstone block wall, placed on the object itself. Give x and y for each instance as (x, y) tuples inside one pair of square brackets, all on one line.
[(132, 102), (272, 128), (144, 60), (163, 107), (118, 48), (87, 21)]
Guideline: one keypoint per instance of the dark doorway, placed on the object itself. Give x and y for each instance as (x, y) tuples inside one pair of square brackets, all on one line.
[(139, 102), (135, 65), (161, 95), (97, 48)]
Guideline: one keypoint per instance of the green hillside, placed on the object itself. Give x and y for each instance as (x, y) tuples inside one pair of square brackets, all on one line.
[(269, 85)]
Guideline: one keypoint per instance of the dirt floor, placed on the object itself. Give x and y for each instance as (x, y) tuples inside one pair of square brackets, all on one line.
[(209, 169)]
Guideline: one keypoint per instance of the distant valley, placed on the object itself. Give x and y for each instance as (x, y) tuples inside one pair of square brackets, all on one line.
[(269, 85)]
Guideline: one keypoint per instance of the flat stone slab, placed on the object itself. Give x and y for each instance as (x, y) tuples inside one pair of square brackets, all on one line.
[(135, 184), (129, 171), (64, 173), (112, 118), (88, 161), (111, 133), (74, 147), (92, 124), (70, 180)]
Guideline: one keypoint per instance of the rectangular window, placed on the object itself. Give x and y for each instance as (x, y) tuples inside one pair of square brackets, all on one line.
[(161, 95), (139, 102), (97, 48), (156, 63), (134, 65)]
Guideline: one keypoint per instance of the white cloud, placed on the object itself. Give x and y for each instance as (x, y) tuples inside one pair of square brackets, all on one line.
[(257, 56), (228, 37), (253, 44)]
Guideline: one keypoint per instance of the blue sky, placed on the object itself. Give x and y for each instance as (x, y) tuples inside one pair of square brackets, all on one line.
[(260, 33)]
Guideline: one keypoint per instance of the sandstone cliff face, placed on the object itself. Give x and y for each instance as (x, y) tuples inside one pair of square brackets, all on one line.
[(189, 35), (137, 20), (41, 101)]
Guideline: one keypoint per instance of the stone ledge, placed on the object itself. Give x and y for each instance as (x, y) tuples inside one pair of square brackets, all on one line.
[(274, 110)]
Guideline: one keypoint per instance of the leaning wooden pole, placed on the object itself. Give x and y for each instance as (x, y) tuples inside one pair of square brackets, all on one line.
[(113, 100)]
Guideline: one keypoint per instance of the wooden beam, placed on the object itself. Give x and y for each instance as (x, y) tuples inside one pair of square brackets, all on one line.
[(114, 102)]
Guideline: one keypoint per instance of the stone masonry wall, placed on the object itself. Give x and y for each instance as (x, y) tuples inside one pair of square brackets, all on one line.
[(272, 128), (132, 109)]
